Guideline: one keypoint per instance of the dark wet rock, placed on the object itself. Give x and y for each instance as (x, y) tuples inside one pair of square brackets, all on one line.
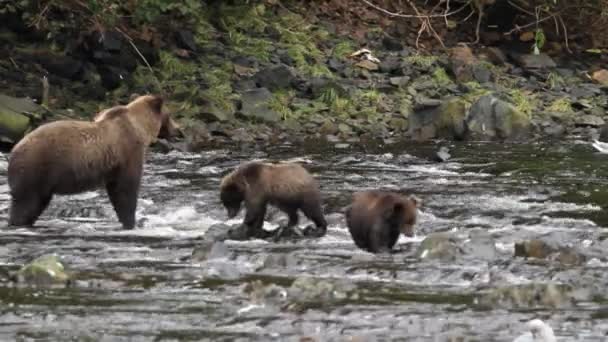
[(335, 65), (399, 81), (197, 135), (443, 154), (442, 246), (275, 78), (17, 115), (589, 121), (319, 86), (495, 55), (422, 103), (210, 112), (532, 61), (242, 134), (210, 250), (391, 65), (554, 130), (446, 120), (255, 105), (392, 43), (585, 90), (490, 118), (60, 65), (482, 73), (111, 77), (604, 133), (528, 296), (185, 40), (46, 270)]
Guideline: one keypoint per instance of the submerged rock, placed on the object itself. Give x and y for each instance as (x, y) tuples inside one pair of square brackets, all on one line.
[(210, 250), (439, 246), (540, 249), (43, 271), (528, 296), (490, 119)]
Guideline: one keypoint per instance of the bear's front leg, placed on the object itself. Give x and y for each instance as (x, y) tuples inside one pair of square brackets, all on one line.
[(123, 192)]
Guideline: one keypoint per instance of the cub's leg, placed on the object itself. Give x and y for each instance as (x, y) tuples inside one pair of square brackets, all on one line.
[(25, 210), (312, 209)]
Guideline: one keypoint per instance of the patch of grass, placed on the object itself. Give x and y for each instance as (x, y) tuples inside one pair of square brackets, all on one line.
[(220, 90), (421, 61), (441, 77), (343, 49), (280, 103), (250, 46), (337, 106), (554, 81), (562, 105), (524, 101), (476, 91)]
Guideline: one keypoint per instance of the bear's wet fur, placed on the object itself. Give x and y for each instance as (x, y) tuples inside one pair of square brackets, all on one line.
[(70, 157), (375, 219), (287, 186)]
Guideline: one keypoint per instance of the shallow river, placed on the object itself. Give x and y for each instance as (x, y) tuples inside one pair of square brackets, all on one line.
[(144, 284)]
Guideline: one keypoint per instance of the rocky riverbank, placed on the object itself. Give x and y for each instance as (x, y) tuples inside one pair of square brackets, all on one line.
[(272, 72)]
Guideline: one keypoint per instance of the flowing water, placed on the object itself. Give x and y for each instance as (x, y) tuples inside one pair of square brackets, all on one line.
[(144, 284)]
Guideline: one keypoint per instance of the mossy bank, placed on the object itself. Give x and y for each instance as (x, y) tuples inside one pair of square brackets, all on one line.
[(268, 71)]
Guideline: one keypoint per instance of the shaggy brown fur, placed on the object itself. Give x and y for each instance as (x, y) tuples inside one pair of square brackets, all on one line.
[(69, 157), (375, 219), (288, 186)]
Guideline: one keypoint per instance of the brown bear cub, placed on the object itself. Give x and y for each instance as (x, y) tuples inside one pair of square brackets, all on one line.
[(70, 157), (287, 186), (375, 218)]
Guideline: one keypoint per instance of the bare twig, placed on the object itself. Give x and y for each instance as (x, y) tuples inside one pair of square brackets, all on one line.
[(130, 40), (419, 16), (45, 91)]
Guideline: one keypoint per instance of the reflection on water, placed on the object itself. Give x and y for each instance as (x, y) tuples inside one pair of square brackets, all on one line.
[(143, 285)]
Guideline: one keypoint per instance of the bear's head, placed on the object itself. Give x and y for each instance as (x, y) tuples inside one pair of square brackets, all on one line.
[(149, 111), (403, 213), (232, 194)]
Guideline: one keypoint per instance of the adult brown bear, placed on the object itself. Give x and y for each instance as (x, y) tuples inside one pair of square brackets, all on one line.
[(288, 186), (69, 157), (376, 218)]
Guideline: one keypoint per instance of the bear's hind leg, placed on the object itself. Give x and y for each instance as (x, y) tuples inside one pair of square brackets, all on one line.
[(25, 211), (291, 228), (312, 209), (123, 196)]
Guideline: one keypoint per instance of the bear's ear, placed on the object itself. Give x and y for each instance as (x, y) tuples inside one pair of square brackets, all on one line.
[(156, 104), (415, 200)]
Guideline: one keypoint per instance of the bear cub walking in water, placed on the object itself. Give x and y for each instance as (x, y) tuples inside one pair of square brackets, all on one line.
[(376, 218), (70, 157), (287, 186)]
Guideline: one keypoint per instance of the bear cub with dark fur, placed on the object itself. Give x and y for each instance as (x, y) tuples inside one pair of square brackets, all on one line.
[(287, 186), (70, 157), (376, 218)]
